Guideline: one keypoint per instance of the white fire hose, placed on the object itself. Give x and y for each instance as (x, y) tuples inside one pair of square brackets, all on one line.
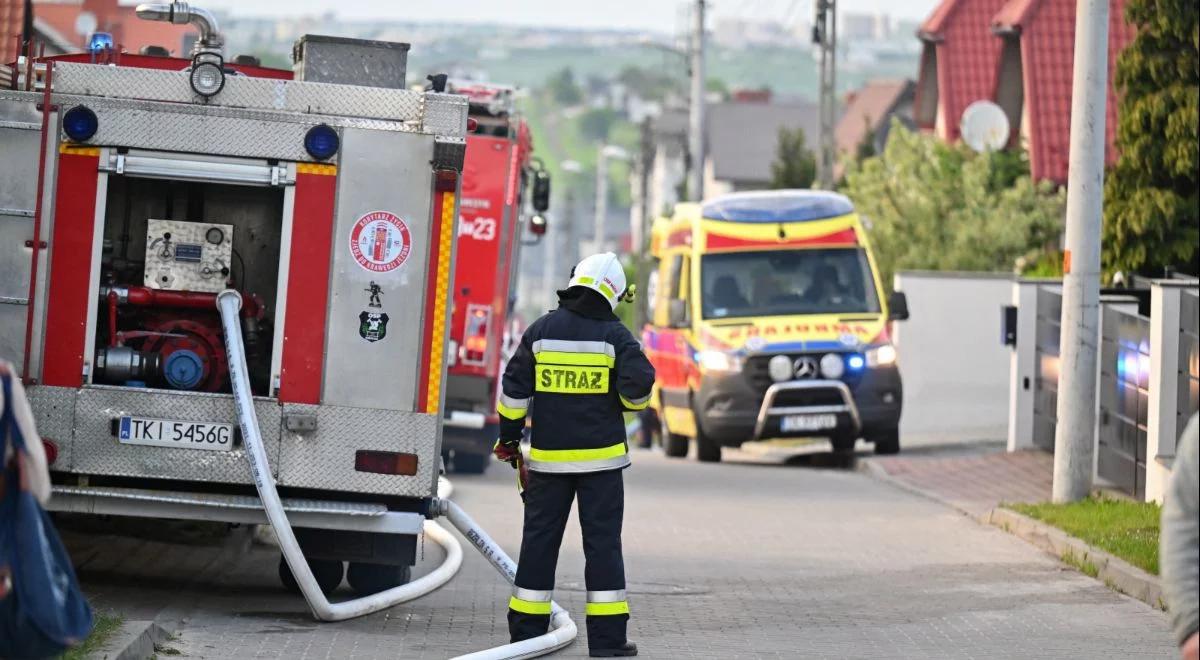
[(562, 629)]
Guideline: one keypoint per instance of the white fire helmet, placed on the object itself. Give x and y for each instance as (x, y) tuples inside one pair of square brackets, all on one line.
[(602, 273)]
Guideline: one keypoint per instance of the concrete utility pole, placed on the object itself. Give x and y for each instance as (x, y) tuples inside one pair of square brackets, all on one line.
[(825, 36), (1075, 432), (696, 110), (643, 217)]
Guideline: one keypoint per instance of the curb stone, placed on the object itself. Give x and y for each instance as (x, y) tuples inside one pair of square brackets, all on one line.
[(1116, 573), (134, 640)]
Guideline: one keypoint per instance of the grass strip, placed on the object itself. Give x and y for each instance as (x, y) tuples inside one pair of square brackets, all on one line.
[(104, 626), (1123, 528)]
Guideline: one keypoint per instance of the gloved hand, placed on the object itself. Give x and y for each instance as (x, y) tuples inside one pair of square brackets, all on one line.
[(507, 452)]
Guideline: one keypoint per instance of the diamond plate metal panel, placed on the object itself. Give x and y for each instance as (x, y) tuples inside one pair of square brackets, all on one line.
[(445, 114), (96, 450), (325, 459), (54, 413), (243, 92)]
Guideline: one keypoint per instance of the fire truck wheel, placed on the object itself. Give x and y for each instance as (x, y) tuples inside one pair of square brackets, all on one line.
[(707, 449), (887, 442), (471, 463), (328, 573), (675, 445), (367, 579)]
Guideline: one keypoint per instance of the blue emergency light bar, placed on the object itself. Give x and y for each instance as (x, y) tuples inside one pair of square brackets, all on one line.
[(770, 206)]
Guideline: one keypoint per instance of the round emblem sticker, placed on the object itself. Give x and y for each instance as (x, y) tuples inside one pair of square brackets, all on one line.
[(380, 241)]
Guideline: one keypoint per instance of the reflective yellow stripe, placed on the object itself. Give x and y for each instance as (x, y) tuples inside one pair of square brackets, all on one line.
[(563, 379), (316, 168), (589, 359), (586, 280), (604, 288), (608, 609), (572, 455), (508, 412), (445, 242), (529, 606), (634, 406)]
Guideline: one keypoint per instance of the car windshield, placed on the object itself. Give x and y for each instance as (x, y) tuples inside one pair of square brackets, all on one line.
[(787, 282)]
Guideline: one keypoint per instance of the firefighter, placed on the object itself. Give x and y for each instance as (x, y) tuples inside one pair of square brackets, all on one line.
[(576, 370)]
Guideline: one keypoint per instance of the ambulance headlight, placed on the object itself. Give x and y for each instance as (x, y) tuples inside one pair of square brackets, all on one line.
[(832, 366), (882, 355), (80, 123), (207, 78), (321, 141), (780, 368), (718, 361)]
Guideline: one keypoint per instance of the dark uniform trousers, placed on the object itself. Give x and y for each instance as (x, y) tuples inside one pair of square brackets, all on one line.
[(547, 507)]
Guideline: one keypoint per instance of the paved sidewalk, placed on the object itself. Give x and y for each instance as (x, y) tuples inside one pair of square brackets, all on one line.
[(975, 483)]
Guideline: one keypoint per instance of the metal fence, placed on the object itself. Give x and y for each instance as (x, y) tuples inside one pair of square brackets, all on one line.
[(1189, 356), (1124, 399), (1045, 398)]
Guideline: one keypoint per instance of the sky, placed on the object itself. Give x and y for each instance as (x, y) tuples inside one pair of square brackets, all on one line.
[(657, 15)]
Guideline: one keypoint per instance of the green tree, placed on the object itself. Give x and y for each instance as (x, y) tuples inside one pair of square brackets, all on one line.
[(1151, 204), (563, 88), (596, 123), (794, 166), (936, 206)]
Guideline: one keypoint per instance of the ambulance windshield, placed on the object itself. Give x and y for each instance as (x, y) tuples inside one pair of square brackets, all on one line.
[(787, 283)]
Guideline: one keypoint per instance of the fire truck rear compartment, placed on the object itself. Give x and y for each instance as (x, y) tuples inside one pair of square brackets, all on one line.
[(168, 332)]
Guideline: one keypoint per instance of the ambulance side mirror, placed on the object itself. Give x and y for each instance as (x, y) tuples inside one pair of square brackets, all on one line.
[(677, 313), (541, 191), (898, 306)]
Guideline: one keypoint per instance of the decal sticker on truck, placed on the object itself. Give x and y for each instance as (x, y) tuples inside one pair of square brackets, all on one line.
[(380, 241)]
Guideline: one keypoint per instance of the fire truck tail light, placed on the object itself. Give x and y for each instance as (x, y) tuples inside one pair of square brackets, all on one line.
[(80, 123), (51, 450), (475, 337), (321, 141), (477, 344), (385, 462)]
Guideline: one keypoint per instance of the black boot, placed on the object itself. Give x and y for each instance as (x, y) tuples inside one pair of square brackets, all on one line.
[(628, 649)]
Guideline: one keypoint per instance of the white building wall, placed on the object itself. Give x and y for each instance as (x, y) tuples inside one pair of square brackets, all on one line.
[(952, 360)]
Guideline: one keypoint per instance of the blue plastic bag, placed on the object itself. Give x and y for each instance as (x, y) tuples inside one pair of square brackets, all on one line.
[(42, 610)]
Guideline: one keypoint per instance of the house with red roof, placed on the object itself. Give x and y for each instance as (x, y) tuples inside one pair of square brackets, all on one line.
[(1033, 80), (1019, 54), (958, 63)]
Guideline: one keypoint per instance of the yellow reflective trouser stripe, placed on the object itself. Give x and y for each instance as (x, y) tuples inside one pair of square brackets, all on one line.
[(528, 606), (607, 609), (564, 379), (574, 455), (645, 401), (586, 359), (509, 412)]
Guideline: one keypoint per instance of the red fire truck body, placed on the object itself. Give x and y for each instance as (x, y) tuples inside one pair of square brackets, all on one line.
[(497, 166)]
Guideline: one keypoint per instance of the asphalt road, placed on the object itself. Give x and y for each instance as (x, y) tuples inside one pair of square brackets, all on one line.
[(746, 559)]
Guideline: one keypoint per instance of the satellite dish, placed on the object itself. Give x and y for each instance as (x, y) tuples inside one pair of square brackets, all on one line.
[(85, 23), (984, 126)]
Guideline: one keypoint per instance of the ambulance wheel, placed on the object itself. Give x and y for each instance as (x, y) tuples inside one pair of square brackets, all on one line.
[(887, 442), (707, 449), (367, 579), (328, 573), (470, 463), (843, 444), (675, 445)]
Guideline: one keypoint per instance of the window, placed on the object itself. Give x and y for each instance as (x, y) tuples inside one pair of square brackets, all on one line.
[(787, 282)]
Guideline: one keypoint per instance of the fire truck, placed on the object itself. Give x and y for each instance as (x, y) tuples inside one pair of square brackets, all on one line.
[(498, 172), (136, 188)]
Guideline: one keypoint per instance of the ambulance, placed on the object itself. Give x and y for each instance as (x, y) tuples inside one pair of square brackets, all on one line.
[(768, 320)]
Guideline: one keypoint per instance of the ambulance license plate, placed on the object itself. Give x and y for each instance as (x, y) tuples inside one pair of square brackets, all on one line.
[(798, 423), (171, 433)]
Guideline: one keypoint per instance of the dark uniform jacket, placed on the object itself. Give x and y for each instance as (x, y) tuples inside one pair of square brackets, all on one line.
[(576, 370)]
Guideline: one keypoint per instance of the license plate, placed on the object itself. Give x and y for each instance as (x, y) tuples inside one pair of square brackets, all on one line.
[(171, 433), (797, 423)]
